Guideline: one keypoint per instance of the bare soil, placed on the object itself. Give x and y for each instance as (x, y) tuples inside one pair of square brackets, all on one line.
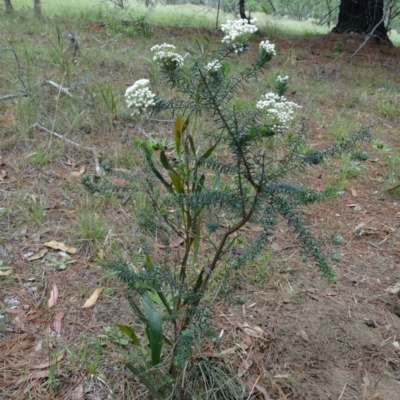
[(300, 337)]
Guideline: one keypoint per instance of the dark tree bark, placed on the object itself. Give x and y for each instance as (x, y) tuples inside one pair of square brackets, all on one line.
[(37, 8), (241, 9), (9, 7), (362, 16)]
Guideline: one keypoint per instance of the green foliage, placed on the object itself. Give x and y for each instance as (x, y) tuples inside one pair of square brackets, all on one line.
[(230, 168)]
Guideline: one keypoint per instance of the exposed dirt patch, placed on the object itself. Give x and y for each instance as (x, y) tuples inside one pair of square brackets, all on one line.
[(316, 340)]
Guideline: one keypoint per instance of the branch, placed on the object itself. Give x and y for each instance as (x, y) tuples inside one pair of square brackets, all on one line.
[(60, 88), (13, 95), (90, 150), (366, 39)]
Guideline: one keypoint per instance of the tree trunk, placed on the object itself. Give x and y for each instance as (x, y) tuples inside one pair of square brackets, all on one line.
[(362, 16), (37, 8), (241, 9), (9, 7)]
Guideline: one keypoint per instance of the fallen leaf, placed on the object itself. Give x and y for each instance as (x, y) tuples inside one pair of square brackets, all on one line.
[(78, 394), (33, 375), (353, 192), (304, 335), (78, 173), (254, 331), (254, 228), (13, 311), (231, 350), (394, 289), (57, 322), (244, 366), (366, 379), (53, 296), (40, 254), (176, 243), (263, 392), (247, 341), (91, 301), (60, 246), (48, 363), (5, 272), (19, 324)]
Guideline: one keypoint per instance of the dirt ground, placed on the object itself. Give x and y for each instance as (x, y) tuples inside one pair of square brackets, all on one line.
[(299, 336)]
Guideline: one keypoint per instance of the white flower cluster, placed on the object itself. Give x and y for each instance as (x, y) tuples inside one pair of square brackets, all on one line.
[(279, 109), (238, 32), (140, 97), (282, 79), (268, 47), (164, 55), (213, 66)]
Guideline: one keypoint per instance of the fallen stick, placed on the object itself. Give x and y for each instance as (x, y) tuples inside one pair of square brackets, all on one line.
[(91, 150), (13, 96), (59, 87), (366, 39)]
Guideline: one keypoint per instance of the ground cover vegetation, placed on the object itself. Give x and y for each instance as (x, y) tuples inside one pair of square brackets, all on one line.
[(193, 165)]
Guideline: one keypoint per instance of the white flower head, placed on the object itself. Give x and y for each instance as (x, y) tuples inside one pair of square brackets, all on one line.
[(267, 47), (279, 110), (213, 66), (139, 97), (238, 32), (282, 79), (166, 57)]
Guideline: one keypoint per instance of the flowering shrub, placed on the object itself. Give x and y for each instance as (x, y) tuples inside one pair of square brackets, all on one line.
[(165, 57), (238, 32), (192, 181), (139, 97)]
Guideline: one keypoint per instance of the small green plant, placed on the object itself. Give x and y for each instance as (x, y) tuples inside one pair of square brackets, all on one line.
[(107, 94), (113, 334), (337, 239), (339, 46), (59, 263), (228, 171), (91, 226), (393, 168)]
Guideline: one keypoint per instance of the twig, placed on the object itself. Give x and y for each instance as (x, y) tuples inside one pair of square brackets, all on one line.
[(60, 88), (104, 44), (387, 66), (341, 394), (91, 150), (366, 39), (18, 66), (13, 95)]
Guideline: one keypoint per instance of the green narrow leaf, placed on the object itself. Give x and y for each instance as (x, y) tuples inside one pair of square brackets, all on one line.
[(164, 160), (136, 309), (200, 184), (130, 333), (140, 373), (148, 262), (192, 145), (178, 129), (155, 329), (176, 180), (209, 152), (154, 169), (186, 124)]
